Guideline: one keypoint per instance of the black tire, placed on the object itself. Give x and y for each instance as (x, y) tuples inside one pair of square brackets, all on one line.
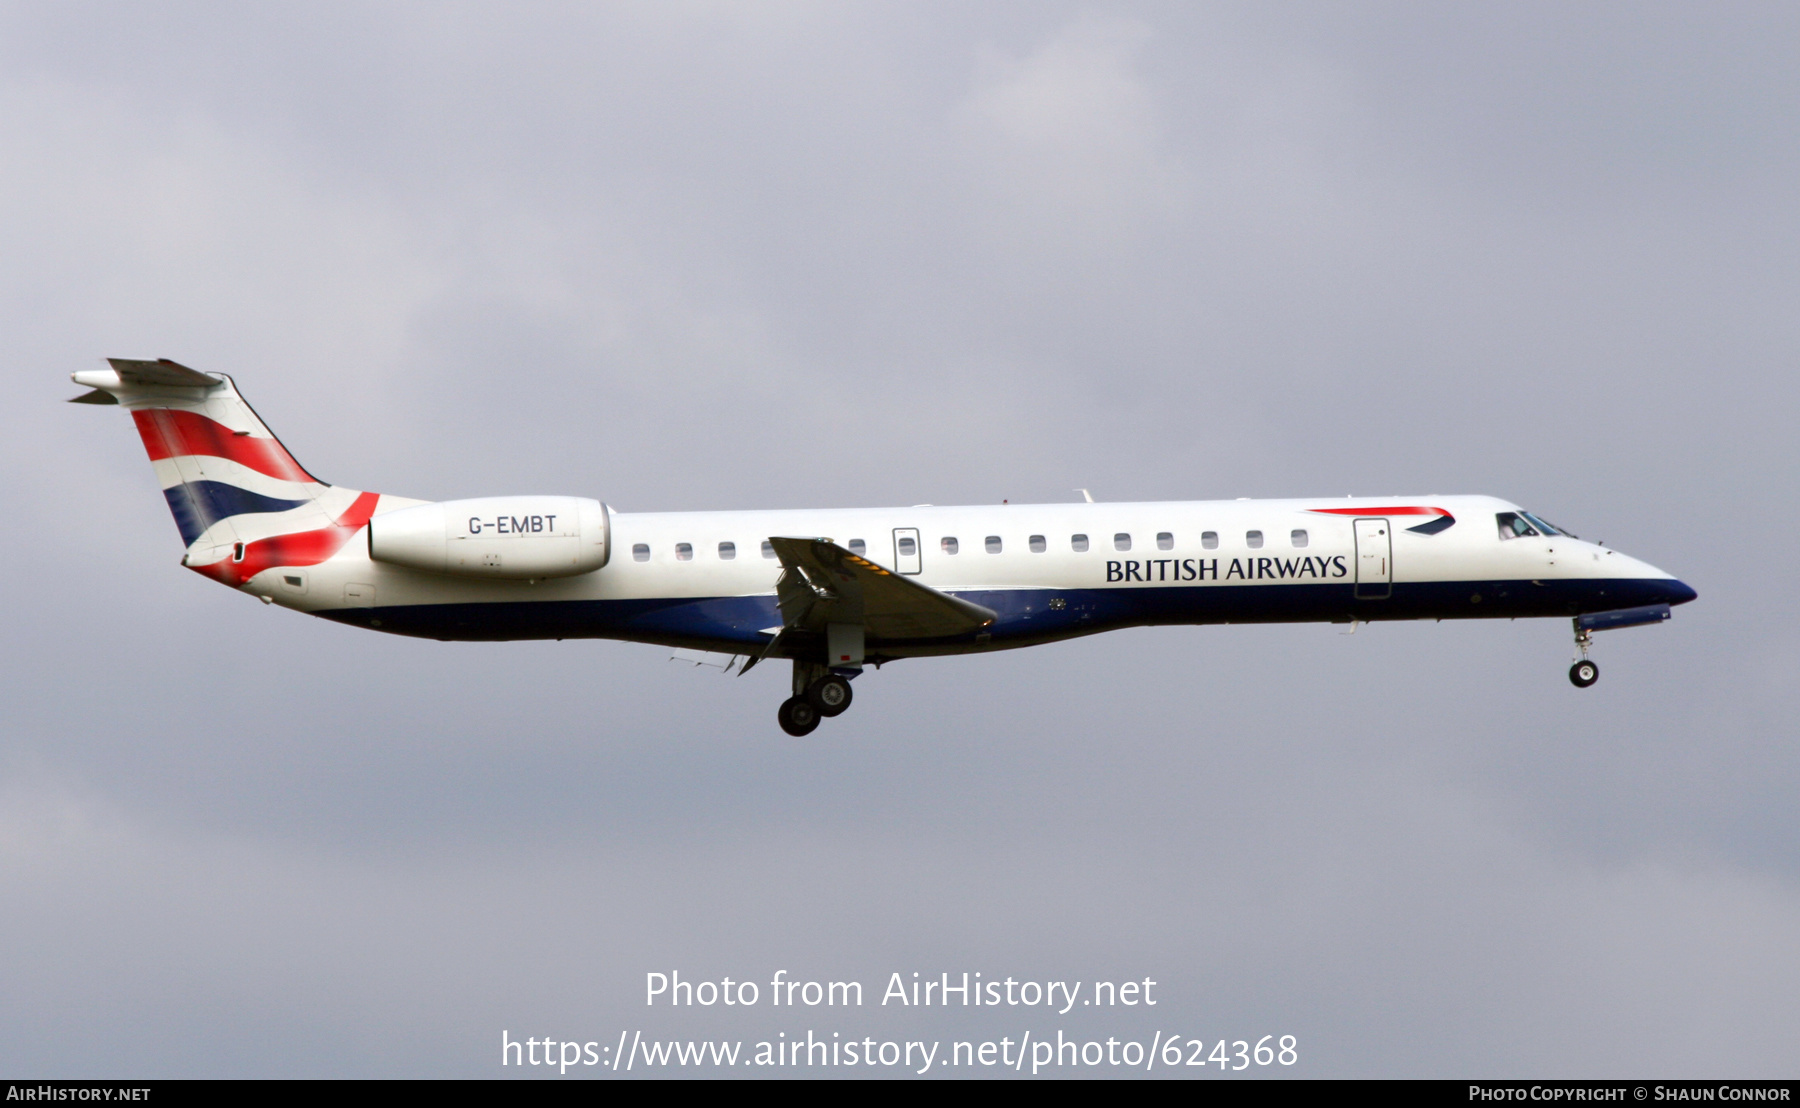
[(830, 695), (1583, 673), (798, 717)]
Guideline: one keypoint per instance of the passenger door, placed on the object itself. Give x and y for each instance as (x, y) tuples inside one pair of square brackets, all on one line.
[(1374, 559), (906, 550)]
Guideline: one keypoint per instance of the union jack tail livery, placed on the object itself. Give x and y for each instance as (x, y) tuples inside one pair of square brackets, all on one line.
[(240, 500)]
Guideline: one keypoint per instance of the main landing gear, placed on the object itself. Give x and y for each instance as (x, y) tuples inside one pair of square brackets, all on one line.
[(818, 694), (798, 716), (1584, 672)]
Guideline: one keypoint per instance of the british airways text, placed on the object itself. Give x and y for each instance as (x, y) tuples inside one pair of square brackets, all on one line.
[(1207, 569)]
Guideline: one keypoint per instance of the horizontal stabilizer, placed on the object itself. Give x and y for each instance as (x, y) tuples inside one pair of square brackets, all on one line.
[(96, 396), (824, 583), (162, 372)]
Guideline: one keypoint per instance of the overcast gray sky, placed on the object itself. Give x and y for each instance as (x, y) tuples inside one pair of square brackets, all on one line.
[(778, 255)]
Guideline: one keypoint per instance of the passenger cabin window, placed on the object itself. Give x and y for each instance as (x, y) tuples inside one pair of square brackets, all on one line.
[(909, 546), (768, 549), (1298, 538), (1209, 540), (640, 552), (993, 544), (1513, 526), (1038, 545), (1253, 539), (684, 551), (727, 551), (949, 544), (1121, 541), (859, 548), (1165, 541), (1078, 543)]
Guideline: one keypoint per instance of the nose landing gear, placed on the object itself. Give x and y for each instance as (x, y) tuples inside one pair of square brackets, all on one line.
[(1584, 672), (818, 694)]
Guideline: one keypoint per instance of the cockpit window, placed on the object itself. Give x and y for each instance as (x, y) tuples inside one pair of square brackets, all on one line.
[(1513, 526), (1547, 528)]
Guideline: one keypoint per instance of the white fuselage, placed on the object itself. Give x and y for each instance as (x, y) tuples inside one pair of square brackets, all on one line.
[(1159, 562)]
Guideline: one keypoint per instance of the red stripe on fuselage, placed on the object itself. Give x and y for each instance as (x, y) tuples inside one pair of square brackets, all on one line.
[(171, 433), (307, 548), (1408, 510)]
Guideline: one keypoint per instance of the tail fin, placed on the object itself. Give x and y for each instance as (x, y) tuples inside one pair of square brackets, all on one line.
[(240, 500)]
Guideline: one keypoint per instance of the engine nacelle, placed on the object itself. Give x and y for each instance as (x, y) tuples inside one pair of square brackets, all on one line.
[(495, 536)]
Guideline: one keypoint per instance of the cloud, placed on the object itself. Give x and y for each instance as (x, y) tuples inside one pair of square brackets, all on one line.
[(1432, 940), (1067, 137)]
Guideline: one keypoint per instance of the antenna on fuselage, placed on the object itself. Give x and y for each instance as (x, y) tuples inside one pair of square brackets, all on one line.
[(1086, 495)]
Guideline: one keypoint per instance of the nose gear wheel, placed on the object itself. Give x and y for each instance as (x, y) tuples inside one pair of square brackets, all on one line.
[(1584, 672)]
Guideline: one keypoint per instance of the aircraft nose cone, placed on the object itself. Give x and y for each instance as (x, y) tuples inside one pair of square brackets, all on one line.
[(1679, 593)]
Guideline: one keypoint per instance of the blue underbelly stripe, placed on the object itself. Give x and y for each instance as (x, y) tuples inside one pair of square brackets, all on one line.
[(735, 623)]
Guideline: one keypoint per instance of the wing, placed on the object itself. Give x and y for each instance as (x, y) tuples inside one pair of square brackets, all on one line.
[(823, 583)]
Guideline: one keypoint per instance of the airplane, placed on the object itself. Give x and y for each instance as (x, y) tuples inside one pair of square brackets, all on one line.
[(834, 591)]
